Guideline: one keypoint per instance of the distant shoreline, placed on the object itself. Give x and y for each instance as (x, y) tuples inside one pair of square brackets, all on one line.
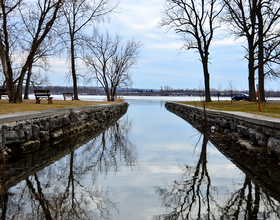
[(91, 90)]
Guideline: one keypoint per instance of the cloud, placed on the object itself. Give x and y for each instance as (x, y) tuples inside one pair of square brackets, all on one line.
[(162, 63)]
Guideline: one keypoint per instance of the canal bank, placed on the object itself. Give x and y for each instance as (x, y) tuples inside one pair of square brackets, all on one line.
[(26, 131), (253, 132)]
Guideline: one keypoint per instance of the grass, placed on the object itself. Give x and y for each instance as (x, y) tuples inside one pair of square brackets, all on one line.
[(270, 109), (29, 105)]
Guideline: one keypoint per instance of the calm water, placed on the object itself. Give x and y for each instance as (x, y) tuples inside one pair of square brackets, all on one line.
[(150, 165)]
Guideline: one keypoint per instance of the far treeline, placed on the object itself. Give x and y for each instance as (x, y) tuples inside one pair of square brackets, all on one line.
[(166, 91), (33, 32)]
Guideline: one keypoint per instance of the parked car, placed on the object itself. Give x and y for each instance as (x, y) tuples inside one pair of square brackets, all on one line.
[(240, 97)]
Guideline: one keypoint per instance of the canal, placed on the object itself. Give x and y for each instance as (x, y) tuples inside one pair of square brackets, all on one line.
[(150, 165)]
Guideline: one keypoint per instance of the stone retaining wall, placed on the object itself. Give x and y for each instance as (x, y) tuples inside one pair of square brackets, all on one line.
[(238, 127), (27, 135)]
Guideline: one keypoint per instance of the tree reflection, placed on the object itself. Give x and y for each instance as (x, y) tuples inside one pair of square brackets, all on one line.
[(250, 202), (68, 188), (193, 197), (110, 149)]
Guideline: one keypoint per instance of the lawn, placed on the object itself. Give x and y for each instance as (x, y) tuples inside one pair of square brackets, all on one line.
[(29, 105), (271, 109)]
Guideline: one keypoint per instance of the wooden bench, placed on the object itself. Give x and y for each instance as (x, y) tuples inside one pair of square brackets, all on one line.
[(4, 93), (42, 94), (67, 95)]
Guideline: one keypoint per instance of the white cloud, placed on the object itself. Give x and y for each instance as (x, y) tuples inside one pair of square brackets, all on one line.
[(160, 61)]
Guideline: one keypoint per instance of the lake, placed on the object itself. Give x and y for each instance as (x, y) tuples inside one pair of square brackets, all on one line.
[(150, 165)]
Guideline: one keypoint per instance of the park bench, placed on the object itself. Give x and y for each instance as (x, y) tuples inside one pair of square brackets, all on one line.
[(4, 93), (67, 95), (42, 94)]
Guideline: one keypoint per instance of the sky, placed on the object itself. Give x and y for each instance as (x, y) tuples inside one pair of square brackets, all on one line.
[(161, 62)]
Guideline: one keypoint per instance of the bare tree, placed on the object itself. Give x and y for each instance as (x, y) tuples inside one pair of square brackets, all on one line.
[(195, 21), (110, 60), (78, 14), (268, 15), (257, 20), (11, 31), (240, 14)]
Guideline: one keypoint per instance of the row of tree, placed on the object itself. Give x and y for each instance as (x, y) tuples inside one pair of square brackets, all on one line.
[(255, 20), (32, 31)]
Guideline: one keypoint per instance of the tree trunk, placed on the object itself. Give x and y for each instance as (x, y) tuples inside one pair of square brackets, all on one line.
[(10, 83), (8, 73), (108, 96), (107, 91), (113, 94), (261, 54), (26, 92), (251, 77), (206, 80), (251, 49), (73, 68), (18, 94)]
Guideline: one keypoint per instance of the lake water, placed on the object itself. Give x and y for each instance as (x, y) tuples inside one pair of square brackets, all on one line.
[(150, 165)]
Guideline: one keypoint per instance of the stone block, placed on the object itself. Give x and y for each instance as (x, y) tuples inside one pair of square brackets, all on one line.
[(232, 125), (35, 131), (11, 136), (56, 135), (66, 121), (242, 130), (21, 136), (53, 124), (103, 113), (257, 137), (218, 121), (252, 135), (28, 132), (44, 135), (262, 139), (273, 146), (224, 123)]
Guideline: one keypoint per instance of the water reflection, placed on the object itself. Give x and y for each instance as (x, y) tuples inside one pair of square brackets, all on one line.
[(190, 198), (67, 189), (195, 196), (174, 172), (250, 202)]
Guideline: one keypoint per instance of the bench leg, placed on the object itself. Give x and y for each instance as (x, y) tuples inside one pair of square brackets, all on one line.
[(38, 101), (50, 100)]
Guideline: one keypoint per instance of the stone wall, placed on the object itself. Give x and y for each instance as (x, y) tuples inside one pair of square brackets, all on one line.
[(27, 135), (244, 129)]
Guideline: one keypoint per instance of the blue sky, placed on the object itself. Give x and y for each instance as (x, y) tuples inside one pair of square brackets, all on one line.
[(161, 63)]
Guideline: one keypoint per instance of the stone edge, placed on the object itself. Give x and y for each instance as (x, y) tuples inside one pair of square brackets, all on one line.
[(21, 116)]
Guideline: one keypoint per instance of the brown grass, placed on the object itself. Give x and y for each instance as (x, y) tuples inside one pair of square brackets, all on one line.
[(29, 105), (270, 109)]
